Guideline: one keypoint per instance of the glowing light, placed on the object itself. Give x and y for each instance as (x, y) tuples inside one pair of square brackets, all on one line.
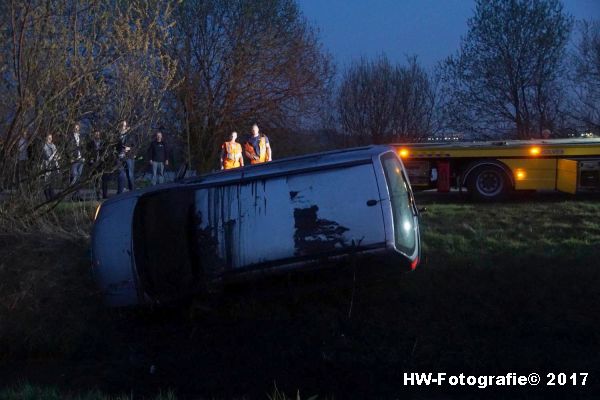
[(403, 153), (97, 211), (520, 174), (414, 264), (535, 151), (407, 226)]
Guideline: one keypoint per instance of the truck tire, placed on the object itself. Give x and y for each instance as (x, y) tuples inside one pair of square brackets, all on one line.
[(488, 183)]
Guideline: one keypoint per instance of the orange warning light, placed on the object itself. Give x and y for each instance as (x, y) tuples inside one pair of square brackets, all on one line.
[(535, 151)]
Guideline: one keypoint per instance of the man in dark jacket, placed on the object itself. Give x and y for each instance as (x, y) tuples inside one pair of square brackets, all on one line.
[(22, 158), (159, 157), (257, 147), (97, 156), (50, 159), (75, 149), (126, 145)]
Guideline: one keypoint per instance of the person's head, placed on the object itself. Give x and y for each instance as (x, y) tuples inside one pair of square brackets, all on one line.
[(124, 127), (96, 134), (255, 130), (233, 136), (546, 133), (77, 128), (49, 138), (159, 136)]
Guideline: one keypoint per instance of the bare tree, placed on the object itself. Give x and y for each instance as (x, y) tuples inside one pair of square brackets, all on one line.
[(506, 75), (586, 61), (366, 99), (378, 101), (414, 103), (242, 62)]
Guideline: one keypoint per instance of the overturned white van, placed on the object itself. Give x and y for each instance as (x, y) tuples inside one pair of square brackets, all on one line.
[(296, 213)]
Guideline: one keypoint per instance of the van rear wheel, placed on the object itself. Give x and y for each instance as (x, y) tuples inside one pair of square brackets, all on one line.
[(488, 183)]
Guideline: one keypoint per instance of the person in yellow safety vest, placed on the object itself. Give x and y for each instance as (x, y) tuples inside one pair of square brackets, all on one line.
[(257, 148), (231, 153)]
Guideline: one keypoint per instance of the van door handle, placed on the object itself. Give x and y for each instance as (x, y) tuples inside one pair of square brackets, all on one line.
[(371, 203)]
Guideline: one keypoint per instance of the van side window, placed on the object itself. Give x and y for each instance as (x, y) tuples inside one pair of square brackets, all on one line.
[(402, 211)]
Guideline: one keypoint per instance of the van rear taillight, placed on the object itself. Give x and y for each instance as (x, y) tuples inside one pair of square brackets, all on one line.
[(414, 264)]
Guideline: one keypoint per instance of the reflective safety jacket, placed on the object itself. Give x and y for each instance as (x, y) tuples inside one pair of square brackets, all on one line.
[(262, 151), (232, 152)]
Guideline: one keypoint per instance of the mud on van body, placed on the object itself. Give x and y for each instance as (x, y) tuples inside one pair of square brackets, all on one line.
[(290, 214)]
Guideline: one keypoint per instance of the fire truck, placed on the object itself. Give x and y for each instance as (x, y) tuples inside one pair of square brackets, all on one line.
[(492, 170)]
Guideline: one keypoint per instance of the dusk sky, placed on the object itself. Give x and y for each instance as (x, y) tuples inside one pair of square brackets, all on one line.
[(430, 29)]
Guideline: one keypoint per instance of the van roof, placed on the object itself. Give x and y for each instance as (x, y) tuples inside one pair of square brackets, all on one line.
[(284, 166)]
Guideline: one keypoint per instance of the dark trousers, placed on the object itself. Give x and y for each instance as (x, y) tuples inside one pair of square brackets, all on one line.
[(21, 175), (158, 172), (50, 174), (125, 175), (101, 185), (48, 192), (76, 172)]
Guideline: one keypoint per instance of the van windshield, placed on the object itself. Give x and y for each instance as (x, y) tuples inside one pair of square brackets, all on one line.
[(402, 209)]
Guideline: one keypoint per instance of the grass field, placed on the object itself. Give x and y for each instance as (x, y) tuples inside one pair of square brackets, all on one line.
[(510, 287)]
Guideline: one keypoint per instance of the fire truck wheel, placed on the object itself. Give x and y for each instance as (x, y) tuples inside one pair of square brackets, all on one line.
[(488, 183)]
